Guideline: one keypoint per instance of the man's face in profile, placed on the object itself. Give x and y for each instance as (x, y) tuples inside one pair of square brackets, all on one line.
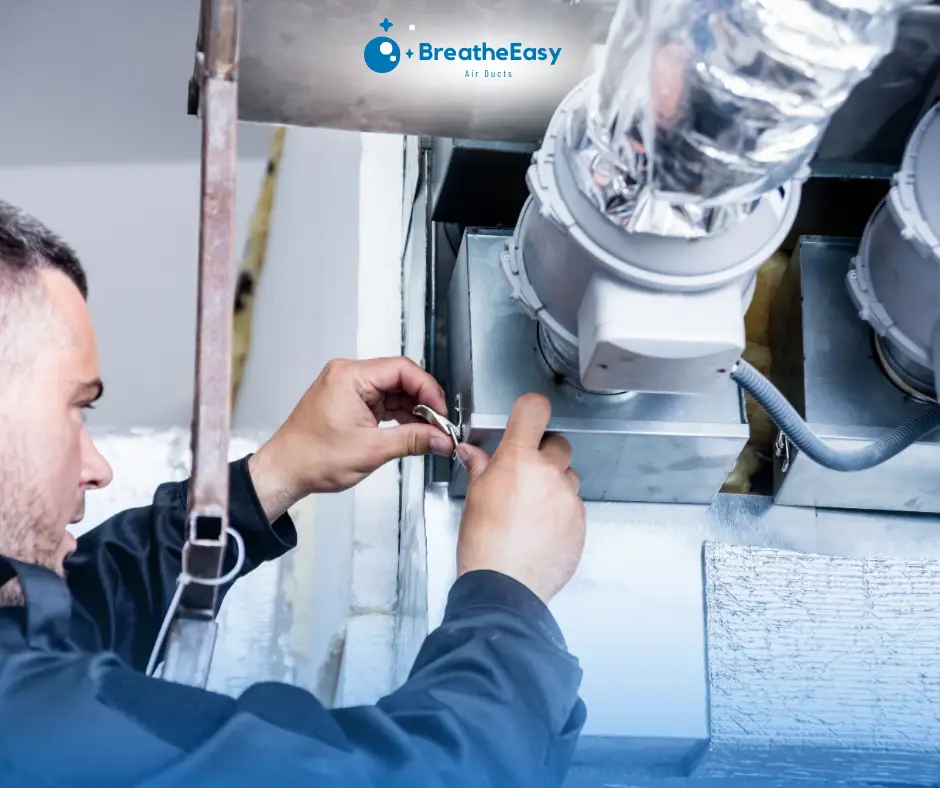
[(50, 370)]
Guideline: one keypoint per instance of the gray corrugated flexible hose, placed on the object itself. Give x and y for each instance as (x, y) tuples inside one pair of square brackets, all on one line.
[(784, 415)]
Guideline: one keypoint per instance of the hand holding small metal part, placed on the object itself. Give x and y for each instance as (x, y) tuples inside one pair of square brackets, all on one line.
[(332, 440), (441, 422)]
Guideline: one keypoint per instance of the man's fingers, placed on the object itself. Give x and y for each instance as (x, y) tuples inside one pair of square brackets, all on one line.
[(402, 374), (527, 421), (403, 417), (410, 440), (473, 458), (556, 450), (573, 479)]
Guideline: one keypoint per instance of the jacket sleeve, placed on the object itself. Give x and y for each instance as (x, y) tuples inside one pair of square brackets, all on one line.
[(123, 574), (492, 700)]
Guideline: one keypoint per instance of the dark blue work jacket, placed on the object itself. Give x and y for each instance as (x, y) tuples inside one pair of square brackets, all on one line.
[(492, 699)]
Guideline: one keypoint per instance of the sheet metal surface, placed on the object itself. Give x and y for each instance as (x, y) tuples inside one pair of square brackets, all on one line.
[(823, 360), (302, 63), (634, 616), (642, 447)]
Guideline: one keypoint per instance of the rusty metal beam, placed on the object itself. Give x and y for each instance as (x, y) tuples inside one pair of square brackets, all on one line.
[(208, 510)]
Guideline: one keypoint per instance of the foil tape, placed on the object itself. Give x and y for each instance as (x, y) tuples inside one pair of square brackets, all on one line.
[(701, 107)]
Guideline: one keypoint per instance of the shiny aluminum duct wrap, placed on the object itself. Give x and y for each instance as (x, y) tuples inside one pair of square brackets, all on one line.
[(703, 106)]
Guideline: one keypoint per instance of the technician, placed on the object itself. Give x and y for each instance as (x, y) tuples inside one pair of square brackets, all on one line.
[(492, 699)]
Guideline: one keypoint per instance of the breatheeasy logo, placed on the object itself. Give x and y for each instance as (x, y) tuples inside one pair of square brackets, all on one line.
[(483, 52), (382, 54)]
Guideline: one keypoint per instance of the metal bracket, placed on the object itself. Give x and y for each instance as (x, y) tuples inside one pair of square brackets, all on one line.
[(189, 650), (442, 423), (458, 405), (192, 634), (782, 450)]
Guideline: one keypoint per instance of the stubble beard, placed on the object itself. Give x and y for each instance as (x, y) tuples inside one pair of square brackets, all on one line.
[(28, 528)]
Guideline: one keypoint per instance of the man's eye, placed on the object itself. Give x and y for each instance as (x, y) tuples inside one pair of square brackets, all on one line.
[(88, 406)]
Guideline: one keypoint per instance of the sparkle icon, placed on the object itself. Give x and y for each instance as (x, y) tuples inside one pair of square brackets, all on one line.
[(385, 24)]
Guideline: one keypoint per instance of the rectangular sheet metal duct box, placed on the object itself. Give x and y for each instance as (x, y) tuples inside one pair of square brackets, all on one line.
[(627, 447), (824, 362)]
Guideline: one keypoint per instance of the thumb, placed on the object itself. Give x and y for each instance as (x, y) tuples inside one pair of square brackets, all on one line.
[(412, 440), (474, 459)]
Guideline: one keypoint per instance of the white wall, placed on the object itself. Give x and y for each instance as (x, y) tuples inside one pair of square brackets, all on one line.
[(95, 141)]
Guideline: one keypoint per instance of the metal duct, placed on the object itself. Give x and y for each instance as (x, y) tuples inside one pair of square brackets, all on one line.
[(288, 47), (302, 63), (634, 311), (703, 106), (895, 279)]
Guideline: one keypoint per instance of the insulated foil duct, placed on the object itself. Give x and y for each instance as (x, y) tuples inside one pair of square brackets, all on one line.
[(703, 106)]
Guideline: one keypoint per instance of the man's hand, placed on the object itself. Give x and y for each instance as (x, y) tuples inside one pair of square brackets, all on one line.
[(332, 439), (523, 516)]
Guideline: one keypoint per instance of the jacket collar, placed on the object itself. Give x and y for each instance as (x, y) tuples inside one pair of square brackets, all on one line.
[(48, 603)]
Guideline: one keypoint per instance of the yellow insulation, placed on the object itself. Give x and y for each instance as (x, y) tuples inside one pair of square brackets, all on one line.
[(759, 448), (253, 261)]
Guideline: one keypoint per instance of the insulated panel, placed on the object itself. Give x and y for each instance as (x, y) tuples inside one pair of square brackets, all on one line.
[(822, 667)]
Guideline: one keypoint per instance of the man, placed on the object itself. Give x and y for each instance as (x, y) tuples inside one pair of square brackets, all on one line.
[(492, 698)]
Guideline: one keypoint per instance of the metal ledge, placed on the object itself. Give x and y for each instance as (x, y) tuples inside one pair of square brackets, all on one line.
[(302, 64), (824, 363), (635, 615)]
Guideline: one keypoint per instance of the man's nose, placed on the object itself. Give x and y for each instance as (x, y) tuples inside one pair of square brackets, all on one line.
[(96, 470)]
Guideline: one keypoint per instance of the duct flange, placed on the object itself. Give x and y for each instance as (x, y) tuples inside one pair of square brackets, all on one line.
[(646, 312), (895, 279)]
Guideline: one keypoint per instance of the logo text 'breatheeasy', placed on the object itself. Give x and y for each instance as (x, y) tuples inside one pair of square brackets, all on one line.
[(483, 52)]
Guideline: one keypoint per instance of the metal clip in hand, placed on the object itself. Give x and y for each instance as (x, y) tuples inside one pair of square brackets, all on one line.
[(437, 420)]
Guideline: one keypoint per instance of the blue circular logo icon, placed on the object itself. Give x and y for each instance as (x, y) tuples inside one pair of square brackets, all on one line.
[(382, 54)]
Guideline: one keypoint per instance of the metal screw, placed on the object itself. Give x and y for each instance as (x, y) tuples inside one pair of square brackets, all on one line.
[(782, 451)]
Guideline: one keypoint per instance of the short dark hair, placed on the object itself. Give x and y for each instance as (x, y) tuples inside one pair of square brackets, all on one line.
[(26, 244)]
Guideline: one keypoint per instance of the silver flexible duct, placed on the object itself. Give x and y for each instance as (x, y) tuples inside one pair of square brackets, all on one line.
[(703, 106)]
